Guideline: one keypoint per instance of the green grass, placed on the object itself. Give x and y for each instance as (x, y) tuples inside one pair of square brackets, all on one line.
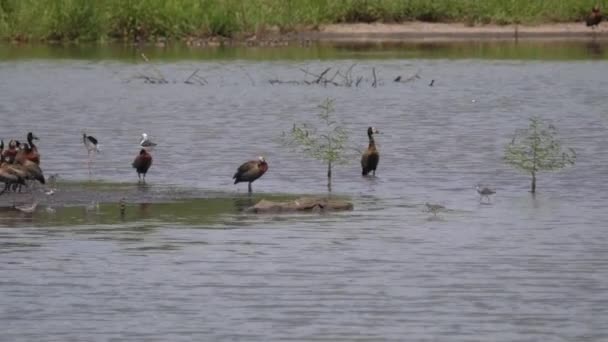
[(91, 20)]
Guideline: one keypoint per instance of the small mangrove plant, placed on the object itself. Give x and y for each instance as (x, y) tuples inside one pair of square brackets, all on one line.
[(537, 148), (325, 141)]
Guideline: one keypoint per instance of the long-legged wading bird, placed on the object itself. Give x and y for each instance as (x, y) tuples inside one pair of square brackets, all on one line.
[(146, 142), (594, 18), (142, 163), (434, 208), (371, 156), (484, 192), (92, 146), (250, 171)]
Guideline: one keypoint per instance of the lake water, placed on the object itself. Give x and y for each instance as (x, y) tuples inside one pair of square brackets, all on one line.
[(522, 268)]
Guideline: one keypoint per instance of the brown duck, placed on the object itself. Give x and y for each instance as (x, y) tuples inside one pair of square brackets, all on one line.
[(595, 17), (8, 177), (250, 171), (142, 163), (11, 152), (32, 153), (371, 156)]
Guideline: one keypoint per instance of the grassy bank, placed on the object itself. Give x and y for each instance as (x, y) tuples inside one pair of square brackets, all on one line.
[(92, 20)]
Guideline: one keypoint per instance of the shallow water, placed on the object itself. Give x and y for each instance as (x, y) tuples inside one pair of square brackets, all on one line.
[(520, 269)]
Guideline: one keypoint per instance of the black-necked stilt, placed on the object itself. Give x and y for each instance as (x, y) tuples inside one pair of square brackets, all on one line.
[(250, 171), (484, 192), (92, 146), (146, 142), (434, 208)]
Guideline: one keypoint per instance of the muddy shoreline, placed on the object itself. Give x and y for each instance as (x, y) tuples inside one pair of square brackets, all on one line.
[(371, 33), (408, 32)]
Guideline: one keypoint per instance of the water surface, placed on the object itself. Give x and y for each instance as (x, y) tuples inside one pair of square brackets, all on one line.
[(521, 269)]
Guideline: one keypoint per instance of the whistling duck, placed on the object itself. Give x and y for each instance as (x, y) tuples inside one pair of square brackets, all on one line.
[(595, 17), (146, 142), (371, 157), (250, 171), (6, 175), (10, 153), (142, 163), (32, 152)]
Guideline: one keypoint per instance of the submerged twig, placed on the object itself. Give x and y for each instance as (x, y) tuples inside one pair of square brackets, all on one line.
[(375, 83)]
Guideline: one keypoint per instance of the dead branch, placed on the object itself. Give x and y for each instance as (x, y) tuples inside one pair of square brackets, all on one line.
[(375, 83), (322, 74), (248, 76), (187, 81)]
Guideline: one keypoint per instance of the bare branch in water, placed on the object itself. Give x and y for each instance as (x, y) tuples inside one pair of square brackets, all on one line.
[(248, 76)]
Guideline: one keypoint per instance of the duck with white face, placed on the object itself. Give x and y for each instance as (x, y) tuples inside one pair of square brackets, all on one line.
[(250, 171)]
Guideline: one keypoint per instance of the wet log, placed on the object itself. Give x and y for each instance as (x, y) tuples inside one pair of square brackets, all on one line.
[(303, 204)]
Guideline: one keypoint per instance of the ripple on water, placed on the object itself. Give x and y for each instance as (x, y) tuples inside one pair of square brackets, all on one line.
[(192, 266)]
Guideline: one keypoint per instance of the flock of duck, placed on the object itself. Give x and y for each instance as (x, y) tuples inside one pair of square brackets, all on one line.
[(20, 163)]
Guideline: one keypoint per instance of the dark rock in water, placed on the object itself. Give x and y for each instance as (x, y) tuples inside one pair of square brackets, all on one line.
[(303, 204)]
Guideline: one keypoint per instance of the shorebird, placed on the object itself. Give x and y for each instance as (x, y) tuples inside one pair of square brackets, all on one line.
[(92, 146), (484, 192), (146, 142), (250, 171), (27, 209), (122, 205), (434, 208)]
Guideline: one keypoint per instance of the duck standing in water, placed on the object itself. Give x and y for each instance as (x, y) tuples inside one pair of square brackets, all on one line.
[(10, 153), (7, 176), (22, 169), (371, 156), (32, 151), (594, 18), (250, 171), (142, 163)]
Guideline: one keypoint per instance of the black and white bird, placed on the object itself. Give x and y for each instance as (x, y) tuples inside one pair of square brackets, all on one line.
[(146, 142), (91, 143), (484, 192), (92, 146)]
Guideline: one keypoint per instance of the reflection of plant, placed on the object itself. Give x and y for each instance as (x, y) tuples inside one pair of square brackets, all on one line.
[(326, 143), (537, 148)]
